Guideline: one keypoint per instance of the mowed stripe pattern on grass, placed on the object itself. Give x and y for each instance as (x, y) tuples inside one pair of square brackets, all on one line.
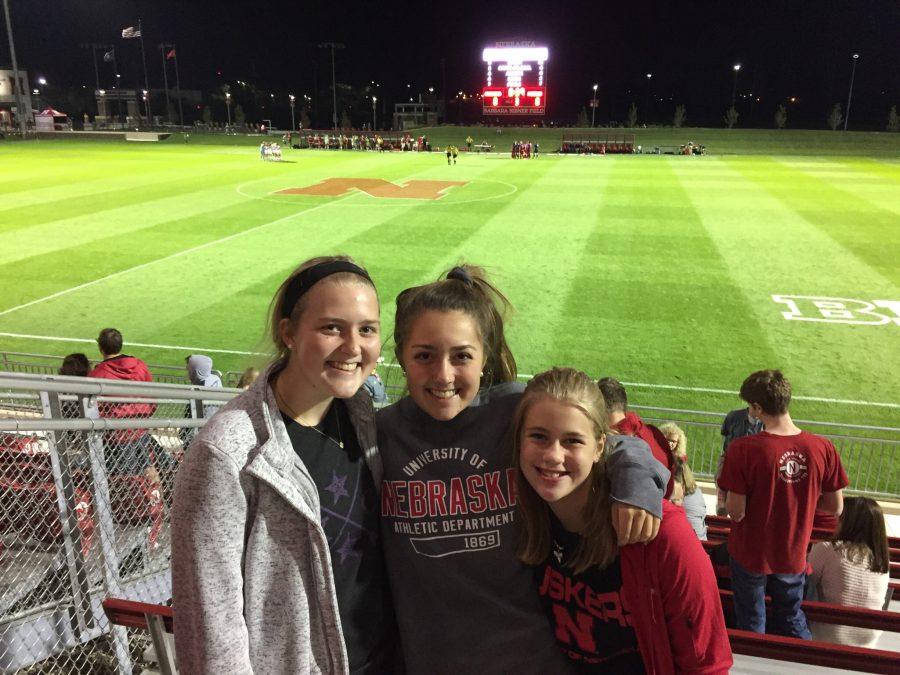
[(652, 269)]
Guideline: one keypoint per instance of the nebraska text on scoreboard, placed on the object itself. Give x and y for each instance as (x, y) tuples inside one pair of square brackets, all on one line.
[(515, 83)]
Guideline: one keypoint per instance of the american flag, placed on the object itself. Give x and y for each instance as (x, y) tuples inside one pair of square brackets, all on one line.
[(130, 32)]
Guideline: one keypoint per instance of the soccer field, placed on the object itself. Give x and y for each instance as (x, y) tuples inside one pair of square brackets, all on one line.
[(677, 274)]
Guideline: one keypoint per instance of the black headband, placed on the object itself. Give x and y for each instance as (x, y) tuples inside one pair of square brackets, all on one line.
[(460, 274), (309, 277)]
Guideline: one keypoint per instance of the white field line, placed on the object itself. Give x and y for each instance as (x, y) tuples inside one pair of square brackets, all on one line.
[(172, 256), (522, 376)]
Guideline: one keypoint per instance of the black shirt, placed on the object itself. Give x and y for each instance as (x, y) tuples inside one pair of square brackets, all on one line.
[(350, 517), (585, 610)]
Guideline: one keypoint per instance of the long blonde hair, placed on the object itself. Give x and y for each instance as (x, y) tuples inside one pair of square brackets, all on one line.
[(683, 473), (598, 539)]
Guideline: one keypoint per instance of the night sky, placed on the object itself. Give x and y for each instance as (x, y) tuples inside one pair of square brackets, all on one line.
[(788, 48)]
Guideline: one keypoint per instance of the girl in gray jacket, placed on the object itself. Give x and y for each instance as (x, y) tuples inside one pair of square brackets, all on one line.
[(276, 554)]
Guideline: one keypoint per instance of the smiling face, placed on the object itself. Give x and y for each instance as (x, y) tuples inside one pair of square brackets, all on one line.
[(557, 453), (443, 359), (335, 342)]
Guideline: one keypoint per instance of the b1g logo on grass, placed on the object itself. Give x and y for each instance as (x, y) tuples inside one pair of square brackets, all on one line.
[(376, 187), (840, 310), (792, 467)]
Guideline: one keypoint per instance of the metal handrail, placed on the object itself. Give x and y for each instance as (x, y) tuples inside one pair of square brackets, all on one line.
[(65, 384)]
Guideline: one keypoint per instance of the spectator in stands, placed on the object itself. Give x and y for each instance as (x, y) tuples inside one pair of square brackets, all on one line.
[(75, 365), (676, 439), (685, 492), (737, 424), (276, 554), (853, 570), (622, 421), (200, 372), (375, 387), (248, 377), (559, 446), (774, 480), (128, 451)]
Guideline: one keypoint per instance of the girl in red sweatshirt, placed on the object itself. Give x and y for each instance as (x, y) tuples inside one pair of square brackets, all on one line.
[(645, 608)]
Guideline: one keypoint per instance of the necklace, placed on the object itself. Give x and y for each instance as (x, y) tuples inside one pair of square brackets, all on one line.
[(340, 442)]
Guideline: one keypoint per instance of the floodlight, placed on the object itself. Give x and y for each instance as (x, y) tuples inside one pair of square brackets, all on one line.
[(595, 87), (649, 75), (737, 67), (43, 80)]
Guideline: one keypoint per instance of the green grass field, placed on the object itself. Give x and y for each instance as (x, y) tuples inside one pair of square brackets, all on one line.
[(658, 270)]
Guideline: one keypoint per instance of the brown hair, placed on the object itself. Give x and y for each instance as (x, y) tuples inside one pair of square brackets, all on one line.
[(598, 544), (614, 394), (769, 389), (276, 310), (75, 364), (861, 534), (470, 292), (110, 342)]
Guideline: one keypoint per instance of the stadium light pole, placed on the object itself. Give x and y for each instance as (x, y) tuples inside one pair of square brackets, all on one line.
[(20, 101), (647, 98), (228, 108), (737, 69), (850, 93), (332, 46), (292, 99), (374, 101), (594, 106)]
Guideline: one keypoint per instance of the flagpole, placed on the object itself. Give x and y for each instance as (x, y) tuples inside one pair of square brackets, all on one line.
[(17, 83), (178, 88), (162, 51), (146, 79), (96, 70), (118, 91)]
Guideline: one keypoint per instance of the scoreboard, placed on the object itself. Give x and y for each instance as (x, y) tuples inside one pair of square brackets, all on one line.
[(515, 82)]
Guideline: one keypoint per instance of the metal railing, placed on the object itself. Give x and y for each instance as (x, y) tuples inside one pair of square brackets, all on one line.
[(869, 453), (86, 474), (49, 364)]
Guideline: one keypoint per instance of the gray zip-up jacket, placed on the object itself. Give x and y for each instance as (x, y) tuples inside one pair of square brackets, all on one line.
[(251, 570)]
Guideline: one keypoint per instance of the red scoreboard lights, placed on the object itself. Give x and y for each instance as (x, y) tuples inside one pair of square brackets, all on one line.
[(515, 79)]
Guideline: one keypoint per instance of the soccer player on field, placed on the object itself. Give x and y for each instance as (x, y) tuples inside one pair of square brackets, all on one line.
[(774, 481)]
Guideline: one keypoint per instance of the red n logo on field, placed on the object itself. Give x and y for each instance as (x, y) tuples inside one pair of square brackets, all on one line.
[(376, 187)]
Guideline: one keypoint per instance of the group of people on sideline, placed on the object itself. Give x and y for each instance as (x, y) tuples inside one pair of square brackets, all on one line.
[(524, 150), (270, 152)]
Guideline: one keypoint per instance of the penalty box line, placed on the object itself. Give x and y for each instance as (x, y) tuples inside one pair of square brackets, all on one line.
[(523, 376), (172, 256)]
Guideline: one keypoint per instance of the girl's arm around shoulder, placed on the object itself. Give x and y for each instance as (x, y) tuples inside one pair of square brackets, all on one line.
[(690, 598), (635, 477), (208, 525)]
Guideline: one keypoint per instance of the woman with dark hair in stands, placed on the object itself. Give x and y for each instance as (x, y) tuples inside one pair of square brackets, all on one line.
[(644, 608), (464, 602), (276, 555), (853, 569)]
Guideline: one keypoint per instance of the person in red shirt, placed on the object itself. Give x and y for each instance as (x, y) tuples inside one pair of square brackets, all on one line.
[(621, 421), (127, 450), (646, 608), (775, 479)]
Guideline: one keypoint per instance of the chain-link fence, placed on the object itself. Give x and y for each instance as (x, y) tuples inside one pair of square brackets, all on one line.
[(86, 474)]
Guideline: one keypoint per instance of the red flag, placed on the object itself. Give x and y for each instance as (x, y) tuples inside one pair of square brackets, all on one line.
[(171, 54)]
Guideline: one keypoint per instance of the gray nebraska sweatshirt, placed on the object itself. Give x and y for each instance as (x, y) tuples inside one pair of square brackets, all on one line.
[(464, 601)]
